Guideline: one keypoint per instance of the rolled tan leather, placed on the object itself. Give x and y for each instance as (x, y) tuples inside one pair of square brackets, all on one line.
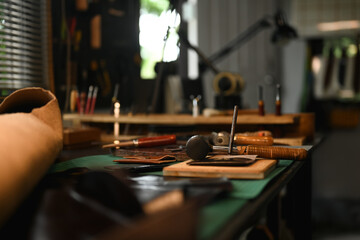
[(30, 139)]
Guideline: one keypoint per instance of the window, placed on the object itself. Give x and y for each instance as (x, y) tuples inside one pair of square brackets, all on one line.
[(156, 20), (23, 45)]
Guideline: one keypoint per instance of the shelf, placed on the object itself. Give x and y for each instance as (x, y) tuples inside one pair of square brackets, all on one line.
[(182, 119), (285, 126)]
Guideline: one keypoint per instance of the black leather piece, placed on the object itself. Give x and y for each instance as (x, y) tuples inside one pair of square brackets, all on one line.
[(112, 192), (82, 204), (68, 215)]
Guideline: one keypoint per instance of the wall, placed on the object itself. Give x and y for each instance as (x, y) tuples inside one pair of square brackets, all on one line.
[(221, 21)]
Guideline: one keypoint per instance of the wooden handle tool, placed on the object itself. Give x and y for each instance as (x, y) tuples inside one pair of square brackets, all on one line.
[(274, 152), (253, 140), (145, 142)]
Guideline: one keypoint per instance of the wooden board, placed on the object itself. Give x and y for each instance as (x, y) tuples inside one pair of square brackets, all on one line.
[(258, 170), (284, 126)]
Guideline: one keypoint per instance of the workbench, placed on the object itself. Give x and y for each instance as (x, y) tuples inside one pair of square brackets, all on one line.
[(282, 196), (227, 218), (84, 192)]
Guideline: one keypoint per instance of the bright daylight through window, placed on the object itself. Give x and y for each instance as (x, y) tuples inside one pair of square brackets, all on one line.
[(158, 35)]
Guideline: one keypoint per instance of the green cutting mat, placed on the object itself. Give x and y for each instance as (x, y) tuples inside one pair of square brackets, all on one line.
[(213, 216), (246, 189)]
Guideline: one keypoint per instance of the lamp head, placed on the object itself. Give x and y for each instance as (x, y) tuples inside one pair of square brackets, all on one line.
[(283, 32)]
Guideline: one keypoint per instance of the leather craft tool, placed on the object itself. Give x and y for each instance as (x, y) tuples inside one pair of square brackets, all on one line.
[(261, 102), (219, 139), (274, 152), (222, 139), (232, 133), (88, 100), (253, 140), (145, 142), (73, 96), (278, 101), (93, 100), (247, 138), (263, 133), (78, 102), (197, 148)]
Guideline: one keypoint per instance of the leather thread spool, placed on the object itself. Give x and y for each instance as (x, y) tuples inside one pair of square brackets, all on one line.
[(274, 152)]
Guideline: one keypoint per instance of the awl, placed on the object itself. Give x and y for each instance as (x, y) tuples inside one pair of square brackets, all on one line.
[(145, 142)]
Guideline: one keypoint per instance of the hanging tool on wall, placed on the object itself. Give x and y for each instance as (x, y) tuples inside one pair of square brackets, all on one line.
[(261, 106), (278, 101)]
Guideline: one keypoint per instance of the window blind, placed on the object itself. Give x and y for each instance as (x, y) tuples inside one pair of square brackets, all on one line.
[(23, 44)]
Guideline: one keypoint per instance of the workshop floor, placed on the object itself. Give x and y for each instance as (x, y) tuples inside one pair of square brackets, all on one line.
[(336, 236), (336, 219)]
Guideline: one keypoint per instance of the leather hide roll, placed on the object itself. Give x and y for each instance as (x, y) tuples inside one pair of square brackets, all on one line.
[(31, 138)]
